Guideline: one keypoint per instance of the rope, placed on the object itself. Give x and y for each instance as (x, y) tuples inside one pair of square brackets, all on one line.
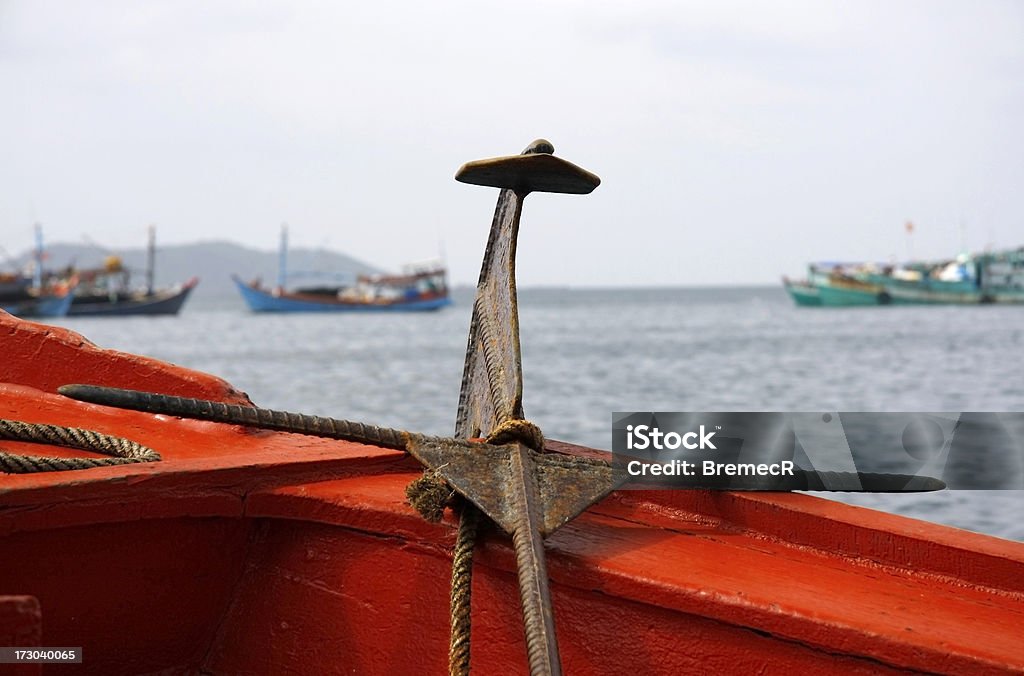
[(429, 495), (462, 588), (515, 429), (122, 451)]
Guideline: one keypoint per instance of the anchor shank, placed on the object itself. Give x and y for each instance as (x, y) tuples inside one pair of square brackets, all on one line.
[(538, 619), (492, 381)]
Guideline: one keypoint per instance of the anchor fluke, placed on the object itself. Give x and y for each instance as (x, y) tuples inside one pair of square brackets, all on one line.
[(483, 475)]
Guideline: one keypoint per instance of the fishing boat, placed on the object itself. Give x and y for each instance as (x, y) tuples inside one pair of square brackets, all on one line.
[(25, 300), (29, 294), (836, 285), (990, 277), (108, 291), (419, 288), (231, 544), (121, 299), (802, 292)]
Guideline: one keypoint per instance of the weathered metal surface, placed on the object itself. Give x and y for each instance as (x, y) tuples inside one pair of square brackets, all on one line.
[(535, 170), (250, 416), (492, 381), (492, 384), (532, 569), (483, 474)]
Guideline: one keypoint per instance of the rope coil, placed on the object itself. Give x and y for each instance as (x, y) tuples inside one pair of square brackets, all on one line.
[(121, 451)]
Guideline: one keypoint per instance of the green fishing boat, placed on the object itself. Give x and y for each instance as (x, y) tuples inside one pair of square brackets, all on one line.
[(969, 279)]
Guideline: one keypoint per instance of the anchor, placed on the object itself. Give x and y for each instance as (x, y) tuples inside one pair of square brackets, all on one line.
[(527, 493)]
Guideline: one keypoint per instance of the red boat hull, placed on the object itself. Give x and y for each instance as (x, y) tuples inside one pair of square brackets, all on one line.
[(261, 552)]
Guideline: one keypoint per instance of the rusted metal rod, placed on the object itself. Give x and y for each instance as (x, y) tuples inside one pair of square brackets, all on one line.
[(538, 616)]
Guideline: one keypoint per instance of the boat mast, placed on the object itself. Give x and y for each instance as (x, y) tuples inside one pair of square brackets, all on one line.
[(37, 272), (150, 260), (282, 258)]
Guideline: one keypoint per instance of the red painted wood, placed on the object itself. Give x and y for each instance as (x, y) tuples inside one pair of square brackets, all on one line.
[(137, 596), (329, 600), (46, 357), (21, 626), (259, 552), (646, 553), (20, 621), (859, 533)]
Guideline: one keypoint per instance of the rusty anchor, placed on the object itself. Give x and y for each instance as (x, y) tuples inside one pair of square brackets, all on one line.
[(529, 494)]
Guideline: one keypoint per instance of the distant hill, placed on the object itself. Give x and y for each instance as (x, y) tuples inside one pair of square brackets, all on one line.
[(212, 262)]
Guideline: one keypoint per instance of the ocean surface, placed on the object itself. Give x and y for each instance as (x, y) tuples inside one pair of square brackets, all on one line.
[(587, 353)]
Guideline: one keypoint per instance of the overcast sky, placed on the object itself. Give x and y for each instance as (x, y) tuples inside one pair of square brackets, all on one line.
[(735, 141)]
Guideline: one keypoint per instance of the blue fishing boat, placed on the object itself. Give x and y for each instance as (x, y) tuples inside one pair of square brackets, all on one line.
[(39, 305), (417, 292), (990, 277), (419, 289), (29, 294)]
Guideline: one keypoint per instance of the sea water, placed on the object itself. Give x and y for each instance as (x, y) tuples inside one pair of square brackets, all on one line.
[(587, 353)]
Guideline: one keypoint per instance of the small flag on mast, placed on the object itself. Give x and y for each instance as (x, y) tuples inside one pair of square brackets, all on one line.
[(910, 227)]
